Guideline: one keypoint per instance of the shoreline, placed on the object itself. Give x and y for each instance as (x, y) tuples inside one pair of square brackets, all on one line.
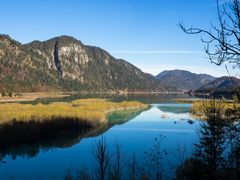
[(91, 110), (22, 97), (36, 123), (31, 96)]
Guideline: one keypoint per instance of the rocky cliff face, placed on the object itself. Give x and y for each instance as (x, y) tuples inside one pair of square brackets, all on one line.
[(65, 63)]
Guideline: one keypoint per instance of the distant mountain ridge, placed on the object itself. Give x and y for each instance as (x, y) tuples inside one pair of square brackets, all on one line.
[(220, 85), (181, 80), (65, 63)]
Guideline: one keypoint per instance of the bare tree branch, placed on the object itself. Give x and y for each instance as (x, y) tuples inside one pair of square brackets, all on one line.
[(222, 44)]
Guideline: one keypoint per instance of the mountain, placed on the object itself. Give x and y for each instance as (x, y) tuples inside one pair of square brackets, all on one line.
[(180, 80), (65, 63), (220, 85)]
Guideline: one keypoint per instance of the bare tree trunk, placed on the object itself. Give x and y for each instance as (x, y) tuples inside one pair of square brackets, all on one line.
[(102, 157), (115, 171), (132, 168)]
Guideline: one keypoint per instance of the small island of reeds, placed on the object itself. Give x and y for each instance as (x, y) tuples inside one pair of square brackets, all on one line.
[(27, 123), (87, 109)]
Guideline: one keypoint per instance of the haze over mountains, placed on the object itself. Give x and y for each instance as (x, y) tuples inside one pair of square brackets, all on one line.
[(66, 64)]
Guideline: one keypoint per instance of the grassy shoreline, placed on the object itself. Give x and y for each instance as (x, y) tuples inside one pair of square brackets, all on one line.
[(197, 100), (197, 107), (22, 124), (24, 96), (33, 135), (31, 96), (88, 109)]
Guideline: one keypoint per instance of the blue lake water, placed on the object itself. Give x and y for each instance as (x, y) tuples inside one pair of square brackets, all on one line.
[(135, 135)]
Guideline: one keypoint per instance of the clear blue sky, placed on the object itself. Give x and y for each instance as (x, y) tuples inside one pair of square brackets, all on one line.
[(143, 32)]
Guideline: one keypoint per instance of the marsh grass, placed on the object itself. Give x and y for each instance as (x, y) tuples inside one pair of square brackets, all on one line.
[(87, 109), (28, 97), (198, 108), (22, 124), (28, 138)]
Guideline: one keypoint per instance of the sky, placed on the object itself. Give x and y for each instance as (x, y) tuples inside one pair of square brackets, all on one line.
[(143, 32)]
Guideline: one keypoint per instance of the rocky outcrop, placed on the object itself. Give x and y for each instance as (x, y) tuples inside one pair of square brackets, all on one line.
[(65, 63)]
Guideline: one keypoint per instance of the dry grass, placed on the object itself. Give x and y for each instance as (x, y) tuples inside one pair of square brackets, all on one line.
[(197, 107), (31, 96), (88, 109), (197, 100)]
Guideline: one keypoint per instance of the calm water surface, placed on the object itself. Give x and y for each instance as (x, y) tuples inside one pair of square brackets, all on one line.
[(135, 133)]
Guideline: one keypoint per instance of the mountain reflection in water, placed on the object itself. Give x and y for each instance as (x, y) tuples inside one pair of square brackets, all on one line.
[(174, 108)]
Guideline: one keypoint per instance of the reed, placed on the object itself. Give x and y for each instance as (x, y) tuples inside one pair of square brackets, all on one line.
[(22, 124), (87, 109), (196, 109)]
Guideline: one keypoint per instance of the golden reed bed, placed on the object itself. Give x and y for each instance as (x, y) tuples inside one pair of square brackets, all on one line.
[(87, 109)]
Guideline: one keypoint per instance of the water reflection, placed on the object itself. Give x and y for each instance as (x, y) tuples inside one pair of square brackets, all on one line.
[(135, 131), (145, 98), (175, 108), (166, 112), (21, 139)]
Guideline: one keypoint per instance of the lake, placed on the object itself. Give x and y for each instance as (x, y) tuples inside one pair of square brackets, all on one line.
[(135, 132)]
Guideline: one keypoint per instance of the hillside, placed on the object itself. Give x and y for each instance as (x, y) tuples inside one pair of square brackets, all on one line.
[(181, 80), (220, 85), (65, 63)]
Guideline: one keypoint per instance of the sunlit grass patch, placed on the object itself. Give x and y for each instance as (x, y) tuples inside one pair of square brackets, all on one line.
[(198, 107), (88, 109)]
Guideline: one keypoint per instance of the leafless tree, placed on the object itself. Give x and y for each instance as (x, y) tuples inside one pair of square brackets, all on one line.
[(132, 168), (68, 175), (101, 155), (222, 41), (179, 156), (116, 165), (154, 158), (83, 174)]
